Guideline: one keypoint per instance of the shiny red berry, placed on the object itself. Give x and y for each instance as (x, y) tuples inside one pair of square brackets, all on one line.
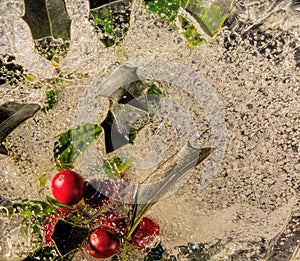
[(102, 243), (68, 187), (145, 233)]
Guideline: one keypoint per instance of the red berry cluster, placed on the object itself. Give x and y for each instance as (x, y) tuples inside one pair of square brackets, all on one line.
[(69, 188), (49, 228)]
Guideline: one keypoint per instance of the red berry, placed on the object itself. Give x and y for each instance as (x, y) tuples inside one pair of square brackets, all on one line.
[(68, 187), (102, 243), (146, 232), (48, 228)]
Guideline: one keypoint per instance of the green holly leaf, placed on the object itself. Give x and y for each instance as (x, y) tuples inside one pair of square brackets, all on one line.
[(165, 9), (33, 214), (111, 20), (52, 98), (194, 18), (31, 209), (73, 143), (115, 166), (190, 33), (56, 204), (154, 90), (11, 115), (212, 19)]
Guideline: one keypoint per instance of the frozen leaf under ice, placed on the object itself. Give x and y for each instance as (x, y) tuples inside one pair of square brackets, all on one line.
[(50, 27), (147, 196), (111, 20), (73, 143), (47, 18), (68, 237), (11, 115)]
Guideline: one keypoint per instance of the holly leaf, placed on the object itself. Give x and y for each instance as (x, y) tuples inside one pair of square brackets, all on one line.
[(68, 237), (111, 20), (32, 212), (154, 90), (50, 27), (190, 32), (211, 18), (114, 167), (31, 209), (56, 204), (133, 104), (11, 115), (47, 18), (192, 16), (73, 143), (147, 195), (113, 138), (165, 9), (52, 98)]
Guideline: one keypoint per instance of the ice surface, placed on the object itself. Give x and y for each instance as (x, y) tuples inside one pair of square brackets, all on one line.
[(247, 196)]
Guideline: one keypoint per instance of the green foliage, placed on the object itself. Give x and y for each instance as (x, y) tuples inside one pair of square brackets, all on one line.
[(31, 209), (73, 143), (154, 90), (56, 204), (190, 33), (210, 18), (104, 22), (111, 21), (33, 214), (52, 98), (165, 9), (114, 167)]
